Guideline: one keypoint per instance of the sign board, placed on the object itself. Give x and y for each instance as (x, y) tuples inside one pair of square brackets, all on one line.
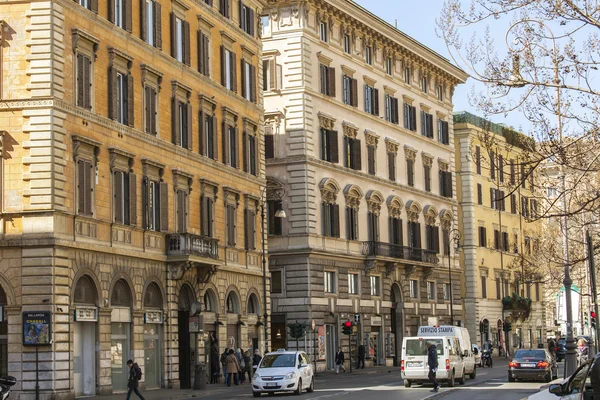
[(436, 331), (376, 320), (153, 317), (196, 324), (357, 319), (322, 349), (37, 328), (85, 314)]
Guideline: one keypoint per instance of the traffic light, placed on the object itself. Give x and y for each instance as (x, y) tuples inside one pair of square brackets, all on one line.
[(585, 318), (347, 328), (593, 319), (507, 327)]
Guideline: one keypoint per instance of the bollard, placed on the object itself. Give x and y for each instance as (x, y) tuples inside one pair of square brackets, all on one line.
[(200, 377)]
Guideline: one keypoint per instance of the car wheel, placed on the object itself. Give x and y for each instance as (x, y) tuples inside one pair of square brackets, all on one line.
[(451, 379), (510, 378), (256, 394), (474, 374), (462, 378), (311, 388), (548, 377), (407, 383), (299, 389)]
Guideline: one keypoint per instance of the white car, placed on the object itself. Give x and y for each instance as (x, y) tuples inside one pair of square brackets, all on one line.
[(283, 371), (477, 355), (575, 387)]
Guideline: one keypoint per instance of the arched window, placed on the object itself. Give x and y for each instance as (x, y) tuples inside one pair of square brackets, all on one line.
[(253, 307), (153, 297), (186, 297), (121, 295), (210, 301), (85, 291), (233, 306)]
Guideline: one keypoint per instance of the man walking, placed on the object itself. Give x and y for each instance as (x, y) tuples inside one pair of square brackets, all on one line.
[(361, 356), (133, 382), (432, 360), (339, 361)]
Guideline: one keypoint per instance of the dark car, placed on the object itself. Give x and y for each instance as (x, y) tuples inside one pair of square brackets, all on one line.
[(560, 350), (532, 364)]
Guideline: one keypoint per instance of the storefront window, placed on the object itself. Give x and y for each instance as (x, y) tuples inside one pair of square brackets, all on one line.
[(119, 353)]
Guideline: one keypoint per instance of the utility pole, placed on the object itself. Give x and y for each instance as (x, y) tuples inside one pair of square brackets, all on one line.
[(593, 282)]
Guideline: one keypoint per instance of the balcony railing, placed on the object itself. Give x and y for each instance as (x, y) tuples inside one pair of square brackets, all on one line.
[(180, 244), (401, 252)]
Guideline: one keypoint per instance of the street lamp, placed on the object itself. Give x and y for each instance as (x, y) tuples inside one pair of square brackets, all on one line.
[(275, 193), (454, 236)]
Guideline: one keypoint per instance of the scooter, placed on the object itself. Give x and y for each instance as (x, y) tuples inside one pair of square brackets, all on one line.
[(6, 382), (486, 359)]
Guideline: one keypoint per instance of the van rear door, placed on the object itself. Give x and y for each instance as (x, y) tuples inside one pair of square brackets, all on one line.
[(415, 360)]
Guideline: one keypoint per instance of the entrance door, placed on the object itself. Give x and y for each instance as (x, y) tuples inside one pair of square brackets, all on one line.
[(330, 345), (120, 353), (184, 349), (152, 353), (84, 358)]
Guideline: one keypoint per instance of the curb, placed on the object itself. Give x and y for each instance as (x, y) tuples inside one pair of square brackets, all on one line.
[(439, 395)]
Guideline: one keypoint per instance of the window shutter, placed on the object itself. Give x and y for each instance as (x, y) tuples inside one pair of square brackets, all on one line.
[(200, 51), (246, 229), (449, 184), (88, 187), (371, 159), (143, 16), (203, 216), (215, 135), (392, 166), (413, 118), (400, 234), (225, 137), (145, 203), (130, 96), (112, 90), (164, 206), (187, 44), (240, 15), (396, 111), (206, 54), (253, 83), (406, 117), (80, 80), (126, 200), (478, 159), (157, 25), (336, 221), (80, 187), (188, 128), (201, 133), (418, 235), (272, 74), (173, 35), (492, 198), (376, 101), (94, 6), (423, 123), (243, 77), (501, 167), (111, 11), (269, 145), (233, 72), (436, 239), (252, 22), (245, 158), (153, 100), (356, 155), (430, 125), (331, 81), (234, 150), (332, 136), (117, 197), (354, 92), (410, 172), (128, 16), (175, 120), (147, 112)]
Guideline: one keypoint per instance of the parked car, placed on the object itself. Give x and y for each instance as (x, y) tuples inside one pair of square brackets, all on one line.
[(477, 355), (575, 387), (560, 350), (532, 364), (283, 371)]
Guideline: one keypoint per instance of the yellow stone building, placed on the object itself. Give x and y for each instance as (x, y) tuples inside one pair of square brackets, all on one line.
[(132, 177), (497, 208)]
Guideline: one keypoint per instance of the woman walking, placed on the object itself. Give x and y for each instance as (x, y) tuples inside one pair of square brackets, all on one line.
[(233, 368), (247, 369)]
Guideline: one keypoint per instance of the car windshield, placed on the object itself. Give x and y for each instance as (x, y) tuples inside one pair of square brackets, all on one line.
[(278, 361), (530, 355), (418, 347)]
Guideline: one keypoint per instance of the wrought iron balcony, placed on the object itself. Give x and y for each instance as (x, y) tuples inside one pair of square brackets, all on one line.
[(187, 244), (389, 250)]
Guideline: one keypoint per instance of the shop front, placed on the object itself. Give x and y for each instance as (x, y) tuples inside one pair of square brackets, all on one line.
[(84, 338), (120, 338), (153, 348)]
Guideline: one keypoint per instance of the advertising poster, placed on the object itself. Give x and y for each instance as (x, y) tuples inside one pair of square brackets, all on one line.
[(36, 328), (321, 349)]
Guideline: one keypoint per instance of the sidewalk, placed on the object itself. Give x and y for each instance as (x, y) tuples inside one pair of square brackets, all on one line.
[(211, 390)]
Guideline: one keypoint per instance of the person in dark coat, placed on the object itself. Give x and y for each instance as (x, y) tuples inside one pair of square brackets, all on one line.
[(133, 381), (339, 361), (432, 361), (256, 359), (215, 367), (361, 356)]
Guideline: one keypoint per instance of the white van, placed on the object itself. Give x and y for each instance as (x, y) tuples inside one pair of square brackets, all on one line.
[(414, 367), (464, 340)]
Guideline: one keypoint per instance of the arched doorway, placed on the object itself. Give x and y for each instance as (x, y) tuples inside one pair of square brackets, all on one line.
[(397, 322), (3, 334), (121, 302), (252, 309), (233, 333), (153, 318), (187, 344), (85, 303), (484, 329)]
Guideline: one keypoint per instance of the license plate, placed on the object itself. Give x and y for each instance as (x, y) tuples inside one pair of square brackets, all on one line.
[(528, 365), (271, 384), (414, 364)]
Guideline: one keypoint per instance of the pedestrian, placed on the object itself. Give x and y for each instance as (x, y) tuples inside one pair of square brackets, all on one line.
[(361, 356), (233, 368), (595, 376), (133, 381), (215, 369), (552, 347), (224, 364), (339, 361), (432, 360), (256, 360), (239, 354), (247, 368)]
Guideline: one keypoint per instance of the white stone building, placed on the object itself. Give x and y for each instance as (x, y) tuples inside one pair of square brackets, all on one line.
[(359, 139)]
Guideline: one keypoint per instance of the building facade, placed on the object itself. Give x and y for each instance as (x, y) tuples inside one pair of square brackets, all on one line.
[(498, 205), (359, 149), (131, 186)]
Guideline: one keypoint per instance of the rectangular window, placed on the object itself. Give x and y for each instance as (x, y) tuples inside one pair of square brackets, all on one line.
[(269, 144), (353, 283), (478, 159), (371, 100), (427, 124), (537, 291), (86, 182), (181, 211), (513, 203), (498, 289), (524, 206), (329, 146), (276, 282), (391, 109), (512, 172), (329, 281), (523, 176), (121, 87), (482, 236), (178, 38), (501, 167), (424, 84), (373, 226), (266, 25), (352, 153), (84, 81), (443, 132), (181, 123), (431, 291), (483, 287), (496, 239), (230, 224), (392, 166), (274, 226), (396, 231), (350, 87), (492, 165), (371, 160), (414, 234), (505, 242), (119, 13), (407, 75), (231, 146), (447, 293), (150, 110), (427, 177), (479, 194), (533, 207), (375, 286), (250, 230), (208, 140), (347, 44), (516, 244), (389, 66), (327, 80), (246, 19), (149, 21), (445, 183), (440, 93), (250, 154), (410, 172), (248, 81), (124, 197), (369, 55), (410, 117), (203, 53), (506, 287), (432, 238), (155, 205), (352, 223), (446, 241), (323, 31), (414, 288), (224, 8), (330, 214), (207, 216), (228, 69)]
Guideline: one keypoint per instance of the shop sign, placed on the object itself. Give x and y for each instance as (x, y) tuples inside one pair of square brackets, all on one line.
[(86, 314), (376, 320), (120, 315), (37, 328), (321, 350), (153, 317)]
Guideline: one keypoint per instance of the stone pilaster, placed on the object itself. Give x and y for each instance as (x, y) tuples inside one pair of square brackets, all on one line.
[(105, 378)]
